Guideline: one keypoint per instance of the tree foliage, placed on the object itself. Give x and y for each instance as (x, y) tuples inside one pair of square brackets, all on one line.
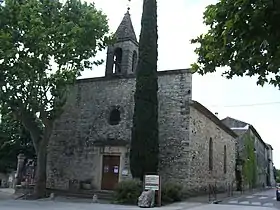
[(250, 164), (14, 139), (45, 45), (277, 175), (243, 35), (144, 144)]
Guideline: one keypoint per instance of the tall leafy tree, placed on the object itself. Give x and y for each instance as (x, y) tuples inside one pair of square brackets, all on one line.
[(277, 175), (45, 45), (14, 139), (144, 144), (243, 36)]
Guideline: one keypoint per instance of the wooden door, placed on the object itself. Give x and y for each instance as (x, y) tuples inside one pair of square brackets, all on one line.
[(110, 172)]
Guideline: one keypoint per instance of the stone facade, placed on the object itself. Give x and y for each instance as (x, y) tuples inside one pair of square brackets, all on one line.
[(97, 121), (204, 127), (260, 147), (83, 133), (270, 171)]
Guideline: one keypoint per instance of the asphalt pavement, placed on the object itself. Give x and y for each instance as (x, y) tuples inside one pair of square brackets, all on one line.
[(49, 205), (265, 198), (7, 194), (258, 201)]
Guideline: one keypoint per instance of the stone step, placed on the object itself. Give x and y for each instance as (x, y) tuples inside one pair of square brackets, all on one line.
[(102, 195)]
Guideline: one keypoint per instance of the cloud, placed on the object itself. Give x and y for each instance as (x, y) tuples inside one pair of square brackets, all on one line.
[(178, 23)]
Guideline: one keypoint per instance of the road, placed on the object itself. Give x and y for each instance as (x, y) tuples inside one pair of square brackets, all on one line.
[(6, 194), (243, 203), (262, 199), (49, 205)]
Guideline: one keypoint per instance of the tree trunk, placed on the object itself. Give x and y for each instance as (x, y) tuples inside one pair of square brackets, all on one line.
[(41, 177), (40, 138)]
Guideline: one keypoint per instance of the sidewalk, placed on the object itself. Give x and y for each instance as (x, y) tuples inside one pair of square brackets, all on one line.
[(7, 193), (7, 190), (223, 196)]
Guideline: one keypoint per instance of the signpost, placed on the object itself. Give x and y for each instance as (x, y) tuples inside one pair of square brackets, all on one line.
[(152, 182)]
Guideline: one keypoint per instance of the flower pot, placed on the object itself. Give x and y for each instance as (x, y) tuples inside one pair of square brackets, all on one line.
[(86, 186)]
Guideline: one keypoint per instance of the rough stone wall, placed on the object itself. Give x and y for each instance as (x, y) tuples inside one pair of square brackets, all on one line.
[(241, 145), (261, 156), (83, 125), (63, 145), (270, 166), (241, 129), (174, 96), (261, 160), (128, 49), (201, 130), (74, 152)]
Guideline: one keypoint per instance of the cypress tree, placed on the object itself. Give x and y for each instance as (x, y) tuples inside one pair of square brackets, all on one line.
[(144, 144)]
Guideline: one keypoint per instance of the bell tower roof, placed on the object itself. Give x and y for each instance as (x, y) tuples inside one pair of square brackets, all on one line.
[(125, 31), (122, 56)]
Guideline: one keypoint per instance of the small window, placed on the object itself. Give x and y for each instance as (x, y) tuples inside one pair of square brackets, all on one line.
[(117, 60), (225, 159), (134, 61), (115, 117), (210, 154)]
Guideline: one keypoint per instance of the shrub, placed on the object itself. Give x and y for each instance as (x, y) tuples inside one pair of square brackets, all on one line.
[(127, 192), (171, 192)]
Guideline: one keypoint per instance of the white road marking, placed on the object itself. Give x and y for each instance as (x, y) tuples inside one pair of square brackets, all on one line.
[(268, 204), (233, 202), (245, 202), (250, 196), (263, 197), (256, 203), (274, 198)]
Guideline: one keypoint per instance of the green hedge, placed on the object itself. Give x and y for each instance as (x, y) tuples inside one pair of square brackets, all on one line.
[(171, 192), (128, 192)]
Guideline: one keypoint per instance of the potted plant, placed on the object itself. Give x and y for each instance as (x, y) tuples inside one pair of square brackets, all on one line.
[(86, 185)]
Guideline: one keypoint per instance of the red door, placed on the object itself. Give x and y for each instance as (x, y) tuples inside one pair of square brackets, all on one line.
[(110, 172)]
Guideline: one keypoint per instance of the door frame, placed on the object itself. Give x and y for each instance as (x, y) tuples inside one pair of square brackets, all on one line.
[(101, 167), (118, 162), (111, 151)]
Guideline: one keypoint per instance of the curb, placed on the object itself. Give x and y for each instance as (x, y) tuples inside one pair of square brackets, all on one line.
[(216, 202)]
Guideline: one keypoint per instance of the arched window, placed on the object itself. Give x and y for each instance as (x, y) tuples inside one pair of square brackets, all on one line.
[(225, 159), (210, 154), (134, 61), (115, 116), (117, 60)]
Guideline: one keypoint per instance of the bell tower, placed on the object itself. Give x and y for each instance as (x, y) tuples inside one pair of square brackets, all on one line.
[(122, 57)]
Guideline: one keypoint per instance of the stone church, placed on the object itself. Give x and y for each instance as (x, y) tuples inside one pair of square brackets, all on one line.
[(90, 142)]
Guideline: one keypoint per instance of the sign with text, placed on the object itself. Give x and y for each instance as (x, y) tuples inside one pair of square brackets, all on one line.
[(152, 182)]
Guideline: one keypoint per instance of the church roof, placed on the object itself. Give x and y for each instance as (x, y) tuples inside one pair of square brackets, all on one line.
[(125, 31)]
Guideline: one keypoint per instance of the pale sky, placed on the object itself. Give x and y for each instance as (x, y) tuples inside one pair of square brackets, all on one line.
[(178, 22)]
